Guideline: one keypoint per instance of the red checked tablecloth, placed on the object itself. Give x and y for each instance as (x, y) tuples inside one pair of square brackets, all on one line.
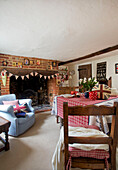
[(76, 120)]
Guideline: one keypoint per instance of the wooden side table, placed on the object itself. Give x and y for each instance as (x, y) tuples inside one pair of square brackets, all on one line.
[(4, 127)]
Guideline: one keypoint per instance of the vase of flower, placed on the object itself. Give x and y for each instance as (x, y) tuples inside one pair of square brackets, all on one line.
[(87, 84), (86, 94)]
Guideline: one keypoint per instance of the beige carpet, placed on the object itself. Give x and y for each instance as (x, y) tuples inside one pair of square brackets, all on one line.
[(34, 149)]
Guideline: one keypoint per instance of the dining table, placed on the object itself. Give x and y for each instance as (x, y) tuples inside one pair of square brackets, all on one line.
[(81, 101)]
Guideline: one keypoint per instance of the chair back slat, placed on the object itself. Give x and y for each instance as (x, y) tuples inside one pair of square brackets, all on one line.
[(91, 110), (90, 140)]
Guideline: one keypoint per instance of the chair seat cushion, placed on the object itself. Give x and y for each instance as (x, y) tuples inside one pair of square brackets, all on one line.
[(88, 126), (27, 118), (97, 153)]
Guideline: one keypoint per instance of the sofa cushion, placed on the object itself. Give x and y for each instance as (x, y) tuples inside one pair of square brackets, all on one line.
[(21, 114), (8, 97), (20, 108), (27, 118), (12, 102)]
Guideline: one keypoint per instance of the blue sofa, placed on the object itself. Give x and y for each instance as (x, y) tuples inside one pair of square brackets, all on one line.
[(18, 125)]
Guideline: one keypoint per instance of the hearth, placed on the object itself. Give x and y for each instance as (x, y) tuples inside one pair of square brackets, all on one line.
[(33, 87)]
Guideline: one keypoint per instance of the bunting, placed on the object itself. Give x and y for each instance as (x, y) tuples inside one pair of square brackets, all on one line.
[(32, 74), (40, 75), (16, 77), (22, 77), (27, 76), (36, 73), (10, 74)]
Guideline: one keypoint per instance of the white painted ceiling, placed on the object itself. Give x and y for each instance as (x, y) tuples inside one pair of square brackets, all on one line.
[(57, 29)]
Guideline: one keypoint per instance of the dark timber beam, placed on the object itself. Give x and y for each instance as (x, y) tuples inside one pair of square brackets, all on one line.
[(103, 51)]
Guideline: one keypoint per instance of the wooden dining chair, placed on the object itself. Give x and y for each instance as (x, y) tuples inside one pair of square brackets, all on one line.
[(111, 140)]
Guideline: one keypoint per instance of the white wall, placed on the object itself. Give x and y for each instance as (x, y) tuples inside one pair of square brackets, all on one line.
[(110, 70), (57, 29)]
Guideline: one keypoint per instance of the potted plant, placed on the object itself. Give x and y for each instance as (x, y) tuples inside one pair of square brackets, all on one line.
[(87, 85)]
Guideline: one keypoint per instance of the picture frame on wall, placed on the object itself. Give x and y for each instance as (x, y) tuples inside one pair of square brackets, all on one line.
[(54, 64), (31, 62), (14, 64), (26, 62), (38, 62), (20, 64), (116, 68), (4, 63)]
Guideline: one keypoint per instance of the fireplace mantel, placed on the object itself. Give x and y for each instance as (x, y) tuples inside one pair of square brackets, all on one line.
[(24, 71)]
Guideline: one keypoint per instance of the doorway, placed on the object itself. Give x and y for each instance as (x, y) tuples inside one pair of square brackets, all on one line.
[(85, 71)]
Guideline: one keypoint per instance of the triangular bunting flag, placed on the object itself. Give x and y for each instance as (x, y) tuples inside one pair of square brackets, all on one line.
[(27, 76), (16, 76), (22, 77), (36, 73), (44, 77), (40, 75), (52, 76), (32, 74), (48, 77), (10, 74)]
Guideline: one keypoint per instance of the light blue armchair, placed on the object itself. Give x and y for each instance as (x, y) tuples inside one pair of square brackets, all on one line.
[(18, 125)]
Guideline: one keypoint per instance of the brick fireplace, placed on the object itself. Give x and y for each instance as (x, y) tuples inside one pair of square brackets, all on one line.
[(46, 86), (43, 95)]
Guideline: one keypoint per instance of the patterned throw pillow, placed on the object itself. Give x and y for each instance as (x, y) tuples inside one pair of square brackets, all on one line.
[(20, 108), (103, 91), (22, 114)]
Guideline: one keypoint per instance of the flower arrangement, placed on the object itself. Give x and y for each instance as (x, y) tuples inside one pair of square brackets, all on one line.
[(87, 85), (63, 76)]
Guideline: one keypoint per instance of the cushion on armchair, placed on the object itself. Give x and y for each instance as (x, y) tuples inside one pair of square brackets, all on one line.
[(13, 102), (22, 114), (20, 108), (26, 120)]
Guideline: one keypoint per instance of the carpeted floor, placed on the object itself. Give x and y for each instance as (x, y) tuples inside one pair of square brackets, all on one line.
[(34, 149)]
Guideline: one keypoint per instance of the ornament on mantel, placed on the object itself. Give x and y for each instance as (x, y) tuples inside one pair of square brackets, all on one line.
[(4, 77)]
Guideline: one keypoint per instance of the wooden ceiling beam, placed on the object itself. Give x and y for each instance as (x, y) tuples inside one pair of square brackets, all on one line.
[(103, 51)]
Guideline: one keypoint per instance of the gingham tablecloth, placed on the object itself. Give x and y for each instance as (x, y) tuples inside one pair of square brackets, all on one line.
[(77, 120)]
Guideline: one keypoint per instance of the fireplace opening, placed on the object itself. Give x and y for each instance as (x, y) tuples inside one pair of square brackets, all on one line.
[(33, 87)]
